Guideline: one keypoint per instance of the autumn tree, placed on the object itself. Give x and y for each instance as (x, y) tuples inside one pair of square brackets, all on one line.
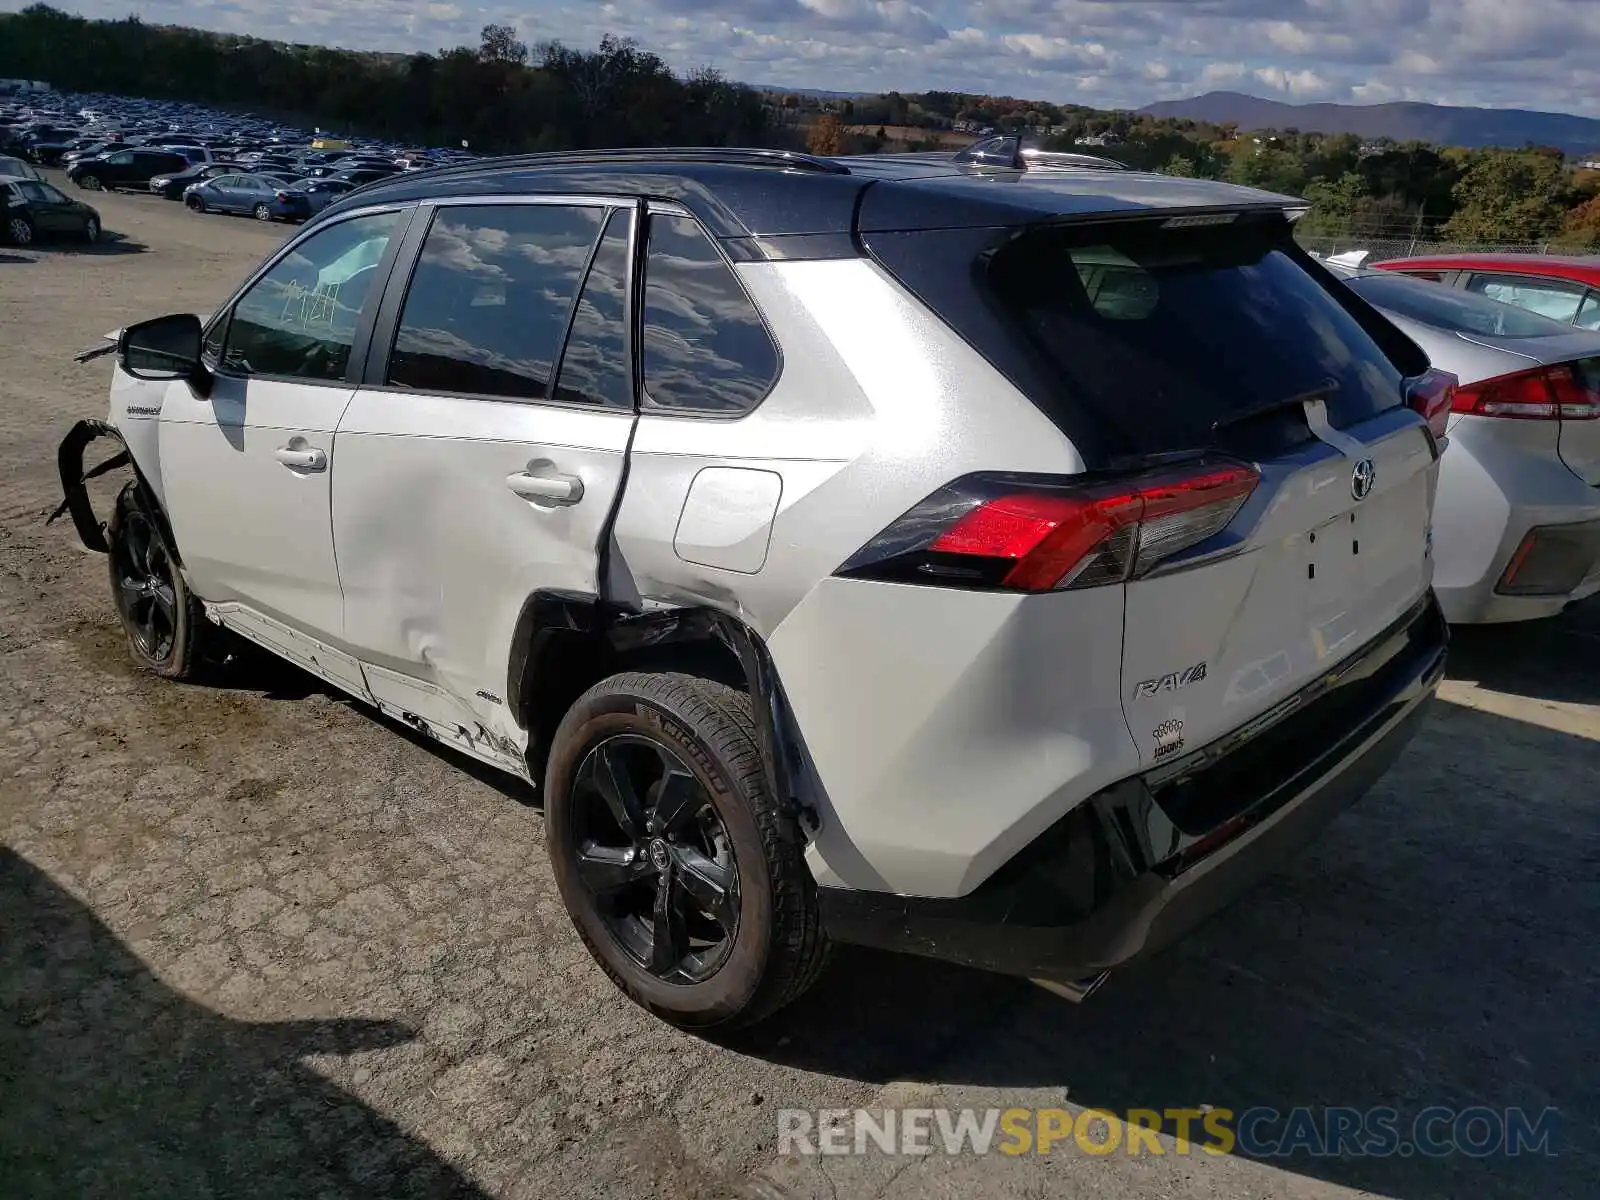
[(1582, 225), (826, 137)]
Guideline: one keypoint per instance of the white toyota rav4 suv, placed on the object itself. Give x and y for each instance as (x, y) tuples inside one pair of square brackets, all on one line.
[(993, 557)]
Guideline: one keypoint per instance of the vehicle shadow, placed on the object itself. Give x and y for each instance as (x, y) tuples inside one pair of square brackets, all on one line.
[(7, 260), (1554, 659), (109, 245), (1433, 948), (113, 1084)]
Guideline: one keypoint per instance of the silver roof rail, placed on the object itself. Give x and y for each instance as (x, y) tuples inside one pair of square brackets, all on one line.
[(1008, 151)]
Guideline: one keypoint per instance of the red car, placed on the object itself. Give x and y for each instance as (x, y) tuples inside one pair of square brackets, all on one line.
[(1564, 288)]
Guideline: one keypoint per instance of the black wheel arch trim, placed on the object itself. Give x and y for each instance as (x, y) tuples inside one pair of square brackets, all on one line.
[(549, 616), (75, 492)]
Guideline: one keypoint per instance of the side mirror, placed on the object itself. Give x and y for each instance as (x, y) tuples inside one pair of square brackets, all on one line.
[(165, 348)]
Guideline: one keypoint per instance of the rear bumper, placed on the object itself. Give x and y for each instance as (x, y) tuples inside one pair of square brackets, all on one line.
[(1140, 863), (1496, 485)]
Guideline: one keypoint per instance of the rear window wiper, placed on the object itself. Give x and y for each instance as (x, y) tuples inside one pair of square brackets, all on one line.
[(1257, 411)]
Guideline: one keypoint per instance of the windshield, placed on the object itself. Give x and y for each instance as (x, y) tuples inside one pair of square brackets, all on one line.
[(1452, 309)]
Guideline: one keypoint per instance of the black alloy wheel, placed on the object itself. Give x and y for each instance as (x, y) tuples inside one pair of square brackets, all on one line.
[(146, 592), (655, 858)]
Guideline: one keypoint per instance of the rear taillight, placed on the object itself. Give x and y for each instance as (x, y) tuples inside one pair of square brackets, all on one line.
[(283, 197), (1032, 534), (1431, 396), (1564, 392)]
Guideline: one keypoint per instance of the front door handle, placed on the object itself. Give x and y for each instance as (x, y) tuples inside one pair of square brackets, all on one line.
[(301, 458), (552, 489)]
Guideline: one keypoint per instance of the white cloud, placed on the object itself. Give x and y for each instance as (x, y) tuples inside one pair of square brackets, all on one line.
[(1509, 53)]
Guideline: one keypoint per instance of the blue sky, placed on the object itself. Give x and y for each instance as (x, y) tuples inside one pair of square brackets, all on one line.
[(1498, 53)]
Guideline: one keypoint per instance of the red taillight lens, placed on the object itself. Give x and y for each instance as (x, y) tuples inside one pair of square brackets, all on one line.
[(1431, 396), (1028, 534), (1564, 392)]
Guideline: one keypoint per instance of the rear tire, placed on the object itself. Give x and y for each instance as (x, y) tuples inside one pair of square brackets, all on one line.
[(766, 942), (19, 231), (262, 213), (167, 630)]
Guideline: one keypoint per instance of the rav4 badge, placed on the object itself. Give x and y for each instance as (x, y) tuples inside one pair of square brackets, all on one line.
[(1170, 682)]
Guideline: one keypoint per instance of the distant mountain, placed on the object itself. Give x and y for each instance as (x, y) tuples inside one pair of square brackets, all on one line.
[(1436, 123), (811, 93)]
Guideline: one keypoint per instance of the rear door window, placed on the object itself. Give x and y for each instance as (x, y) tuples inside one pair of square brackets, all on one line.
[(1172, 333), (1452, 308), (1551, 298), (1589, 314), (491, 298), (595, 368)]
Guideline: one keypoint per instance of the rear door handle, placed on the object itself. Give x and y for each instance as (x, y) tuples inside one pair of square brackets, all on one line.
[(552, 489), (302, 458)]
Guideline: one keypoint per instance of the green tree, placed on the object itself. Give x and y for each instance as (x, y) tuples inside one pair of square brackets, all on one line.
[(1180, 166), (1268, 168), (1335, 203), (1509, 196)]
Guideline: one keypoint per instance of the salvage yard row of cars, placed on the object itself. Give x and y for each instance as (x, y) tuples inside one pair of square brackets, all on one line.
[(1030, 660), (210, 161)]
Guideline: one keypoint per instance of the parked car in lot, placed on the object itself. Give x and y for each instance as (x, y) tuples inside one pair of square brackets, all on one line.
[(881, 552), (126, 168), (16, 168), (307, 197), (31, 209), (174, 185), (1517, 523), (364, 175), (1563, 288), (255, 194)]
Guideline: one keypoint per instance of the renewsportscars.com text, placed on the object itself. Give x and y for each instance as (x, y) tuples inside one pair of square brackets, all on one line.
[(1434, 1132)]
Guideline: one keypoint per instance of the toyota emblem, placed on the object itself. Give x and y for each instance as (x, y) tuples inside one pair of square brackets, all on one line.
[(660, 856), (1362, 479)]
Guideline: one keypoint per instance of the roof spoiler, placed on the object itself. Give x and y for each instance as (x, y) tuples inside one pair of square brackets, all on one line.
[(1010, 152)]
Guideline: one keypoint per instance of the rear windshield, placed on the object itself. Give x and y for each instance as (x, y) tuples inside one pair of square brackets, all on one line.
[(1450, 308), (1171, 334)]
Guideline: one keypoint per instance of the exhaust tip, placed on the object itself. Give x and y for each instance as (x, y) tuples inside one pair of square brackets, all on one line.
[(1075, 990)]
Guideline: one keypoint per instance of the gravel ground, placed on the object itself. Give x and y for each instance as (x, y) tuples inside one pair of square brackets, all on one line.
[(254, 941)]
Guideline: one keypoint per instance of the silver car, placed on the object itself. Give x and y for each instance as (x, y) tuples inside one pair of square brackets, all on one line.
[(1517, 526), (257, 195)]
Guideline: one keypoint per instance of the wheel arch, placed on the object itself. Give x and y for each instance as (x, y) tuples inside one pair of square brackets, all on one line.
[(565, 642), (75, 501)]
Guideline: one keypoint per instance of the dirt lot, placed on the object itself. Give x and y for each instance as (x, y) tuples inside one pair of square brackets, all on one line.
[(256, 942)]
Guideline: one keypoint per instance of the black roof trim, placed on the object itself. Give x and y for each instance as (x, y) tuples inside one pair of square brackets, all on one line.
[(733, 156)]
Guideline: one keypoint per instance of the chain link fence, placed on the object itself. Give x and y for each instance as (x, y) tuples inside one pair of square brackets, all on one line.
[(1393, 246)]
